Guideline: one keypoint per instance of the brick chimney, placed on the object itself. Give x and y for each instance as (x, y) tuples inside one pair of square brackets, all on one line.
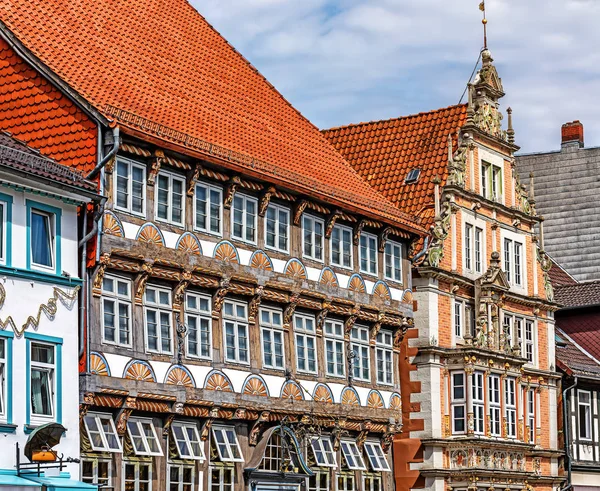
[(572, 135)]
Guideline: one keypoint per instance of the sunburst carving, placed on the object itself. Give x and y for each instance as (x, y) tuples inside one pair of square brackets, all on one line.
[(111, 225), (255, 386), (322, 394), (295, 269), (350, 397), (381, 290), (226, 251), (189, 244), (291, 390), (218, 381), (328, 278), (149, 234), (357, 284), (98, 365), (179, 376), (407, 296), (395, 402), (141, 371), (375, 400), (260, 260)]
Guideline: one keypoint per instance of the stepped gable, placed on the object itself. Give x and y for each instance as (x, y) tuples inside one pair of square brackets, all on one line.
[(162, 72), (384, 152)]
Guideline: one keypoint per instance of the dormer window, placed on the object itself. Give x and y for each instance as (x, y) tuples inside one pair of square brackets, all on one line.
[(412, 176), (491, 181)]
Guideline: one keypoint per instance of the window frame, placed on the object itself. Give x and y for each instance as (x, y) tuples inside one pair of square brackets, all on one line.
[(478, 398), (159, 309), (306, 334), (378, 460), (278, 209), (529, 341), (343, 230), (147, 452), (337, 340), (370, 240), (118, 300), (54, 215), (131, 164), (352, 455), (360, 344), (462, 312), (237, 323), (531, 413), (190, 455), (170, 176), (55, 375), (349, 481), (509, 260), (95, 461), (99, 417), (313, 255), (246, 199), (136, 464), (510, 406), (199, 315), (6, 202), (589, 416), (221, 468), (317, 474), (458, 402), (384, 348), (209, 188), (491, 181), (181, 483), (273, 330), (6, 389), (390, 257), (369, 481), (229, 444), (329, 454), (495, 404)]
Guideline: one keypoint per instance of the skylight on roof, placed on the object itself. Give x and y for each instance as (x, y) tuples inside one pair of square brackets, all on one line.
[(413, 176)]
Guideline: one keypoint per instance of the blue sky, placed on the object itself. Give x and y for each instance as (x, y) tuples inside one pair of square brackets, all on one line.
[(346, 61)]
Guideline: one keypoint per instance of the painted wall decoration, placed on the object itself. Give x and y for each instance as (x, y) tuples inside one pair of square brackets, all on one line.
[(350, 397), (395, 402), (111, 225), (382, 290), (328, 278), (291, 390), (322, 393), (189, 244), (260, 260), (99, 365), (139, 370), (179, 375), (357, 284), (150, 234), (375, 400), (255, 386), (295, 269), (226, 251), (218, 381)]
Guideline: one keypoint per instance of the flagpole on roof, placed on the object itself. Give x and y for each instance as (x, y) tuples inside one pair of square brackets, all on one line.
[(484, 22)]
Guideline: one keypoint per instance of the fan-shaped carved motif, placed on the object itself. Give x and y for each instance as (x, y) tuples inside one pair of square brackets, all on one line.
[(255, 386), (260, 260), (98, 365), (395, 402), (189, 243), (218, 381), (295, 269), (381, 290), (375, 400), (179, 376), (226, 251), (139, 370), (350, 397), (407, 296), (322, 394), (291, 390), (111, 225), (328, 278), (357, 284), (149, 234)]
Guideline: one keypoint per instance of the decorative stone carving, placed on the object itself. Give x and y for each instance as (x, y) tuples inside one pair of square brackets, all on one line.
[(322, 317), (155, 167), (180, 289), (257, 429), (193, 176), (383, 238), (435, 252), (205, 430), (350, 321), (546, 265)]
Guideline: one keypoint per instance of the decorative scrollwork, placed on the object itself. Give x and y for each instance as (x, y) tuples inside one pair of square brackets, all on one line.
[(435, 252), (219, 296)]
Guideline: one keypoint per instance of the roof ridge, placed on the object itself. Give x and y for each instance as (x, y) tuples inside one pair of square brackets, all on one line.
[(578, 346)]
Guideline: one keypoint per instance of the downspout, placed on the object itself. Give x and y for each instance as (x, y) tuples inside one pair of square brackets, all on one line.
[(108, 156), (567, 434), (422, 253)]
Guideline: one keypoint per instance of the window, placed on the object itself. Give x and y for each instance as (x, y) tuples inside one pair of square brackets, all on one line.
[(341, 246), (143, 437), (221, 478), (458, 402), (158, 313), (271, 330), (368, 253), (199, 324), (372, 483), (531, 414), (412, 176), (323, 451), (4, 367), (235, 320), (43, 383), (180, 477), (584, 402), (485, 169), (226, 443), (334, 348), (352, 456), (494, 395), (96, 471), (384, 356), (187, 441), (473, 248), (130, 189), (393, 261), (464, 319), (319, 481), (377, 458), (478, 250), (102, 433), (491, 181), (116, 310), (513, 329), (306, 343), (528, 352), (478, 403), (137, 476), (345, 482), (243, 218), (468, 247), (312, 237), (277, 228), (510, 407), (208, 209), (517, 262), (513, 261), (43, 238), (169, 199), (5, 232), (359, 339)]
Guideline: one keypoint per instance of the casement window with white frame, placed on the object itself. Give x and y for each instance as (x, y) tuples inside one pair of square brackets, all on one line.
[(43, 237), (170, 198), (352, 456), (584, 413), (235, 331), (96, 471), (271, 333), (4, 224), (335, 356), (187, 440), (372, 482), (198, 317), (494, 405), (531, 406), (464, 319), (491, 181), (306, 343), (323, 451), (180, 477), (226, 443), (458, 402), (130, 188), (116, 311), (528, 349), (137, 475), (514, 260), (510, 407), (143, 437), (341, 246), (478, 402), (221, 478), (384, 357), (244, 218), (359, 344), (368, 253), (346, 482), (377, 459), (208, 209), (312, 237), (43, 380), (392, 258), (277, 228), (319, 481), (102, 433), (4, 368), (473, 248), (158, 317)]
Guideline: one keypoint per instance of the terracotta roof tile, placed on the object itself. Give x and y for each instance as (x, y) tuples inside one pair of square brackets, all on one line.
[(384, 152), (559, 276), (573, 358), (583, 326), (578, 294)]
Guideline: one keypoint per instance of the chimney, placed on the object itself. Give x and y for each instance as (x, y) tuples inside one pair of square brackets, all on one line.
[(572, 135)]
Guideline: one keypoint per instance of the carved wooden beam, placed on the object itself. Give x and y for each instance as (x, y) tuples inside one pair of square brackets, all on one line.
[(123, 416), (234, 183), (141, 281), (255, 304), (167, 426), (362, 436), (99, 278), (375, 328), (157, 161), (299, 210), (322, 316), (193, 176), (265, 199), (219, 296), (338, 432), (180, 289), (257, 428), (350, 321), (331, 223), (290, 309), (358, 230), (388, 437), (383, 238), (205, 430)]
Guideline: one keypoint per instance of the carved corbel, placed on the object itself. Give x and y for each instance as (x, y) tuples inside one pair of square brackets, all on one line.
[(240, 413), (180, 289), (358, 230), (322, 316), (205, 430), (376, 327), (255, 304), (123, 415), (299, 210), (234, 183), (383, 238), (399, 334), (99, 278), (219, 296), (265, 199), (257, 429), (141, 281), (350, 321), (331, 223), (167, 426), (362, 436), (338, 432), (388, 437), (193, 176), (290, 309), (155, 167)]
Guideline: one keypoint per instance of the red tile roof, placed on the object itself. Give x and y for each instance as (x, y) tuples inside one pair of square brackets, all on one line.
[(162, 62), (383, 153), (559, 276), (579, 294), (583, 326), (572, 358)]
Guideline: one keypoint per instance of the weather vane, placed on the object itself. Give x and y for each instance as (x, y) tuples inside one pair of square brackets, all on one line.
[(484, 22)]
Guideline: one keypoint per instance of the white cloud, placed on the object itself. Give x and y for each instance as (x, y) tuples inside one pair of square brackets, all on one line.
[(343, 61)]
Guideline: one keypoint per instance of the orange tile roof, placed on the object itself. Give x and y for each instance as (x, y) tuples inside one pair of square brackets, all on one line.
[(163, 62), (383, 153)]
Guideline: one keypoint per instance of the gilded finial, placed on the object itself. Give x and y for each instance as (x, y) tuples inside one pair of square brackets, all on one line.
[(484, 22)]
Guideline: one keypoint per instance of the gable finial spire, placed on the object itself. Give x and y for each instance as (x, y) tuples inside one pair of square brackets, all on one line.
[(484, 22)]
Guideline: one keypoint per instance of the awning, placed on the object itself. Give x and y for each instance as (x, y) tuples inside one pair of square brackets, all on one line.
[(9, 481), (62, 482)]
